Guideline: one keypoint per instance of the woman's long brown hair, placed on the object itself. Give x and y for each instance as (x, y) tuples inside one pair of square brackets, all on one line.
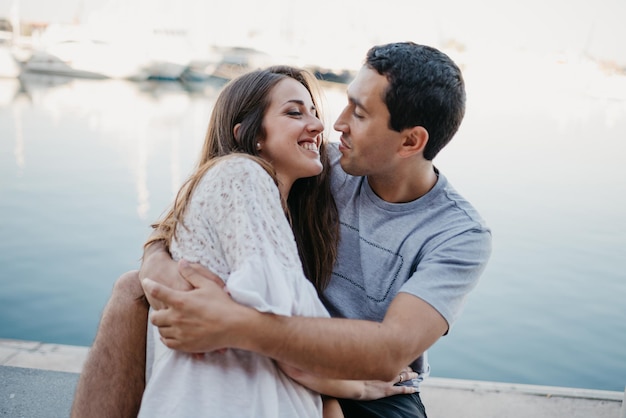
[(310, 205)]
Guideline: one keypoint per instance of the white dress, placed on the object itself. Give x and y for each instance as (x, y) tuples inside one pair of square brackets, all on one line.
[(236, 227)]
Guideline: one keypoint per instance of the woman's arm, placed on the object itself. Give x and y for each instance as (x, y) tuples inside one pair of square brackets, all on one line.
[(364, 390)]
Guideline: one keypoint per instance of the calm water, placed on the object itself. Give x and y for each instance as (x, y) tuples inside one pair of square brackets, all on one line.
[(85, 166)]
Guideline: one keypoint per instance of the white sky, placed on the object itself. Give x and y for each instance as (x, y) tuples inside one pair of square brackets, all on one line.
[(332, 28)]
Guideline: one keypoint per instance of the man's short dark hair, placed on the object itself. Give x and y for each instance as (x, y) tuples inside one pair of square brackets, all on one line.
[(426, 88)]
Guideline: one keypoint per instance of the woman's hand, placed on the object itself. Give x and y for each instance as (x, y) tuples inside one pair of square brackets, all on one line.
[(376, 389), (365, 390)]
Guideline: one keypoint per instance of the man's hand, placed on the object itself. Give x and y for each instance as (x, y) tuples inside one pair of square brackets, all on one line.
[(195, 320)]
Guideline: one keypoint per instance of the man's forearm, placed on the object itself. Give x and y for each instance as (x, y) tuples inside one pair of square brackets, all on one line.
[(335, 348), (328, 347), (345, 348), (207, 319)]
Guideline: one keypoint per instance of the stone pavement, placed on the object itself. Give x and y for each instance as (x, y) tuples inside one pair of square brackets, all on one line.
[(446, 398), (35, 393), (38, 380)]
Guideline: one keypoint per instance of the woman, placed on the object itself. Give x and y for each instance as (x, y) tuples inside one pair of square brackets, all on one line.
[(263, 167)]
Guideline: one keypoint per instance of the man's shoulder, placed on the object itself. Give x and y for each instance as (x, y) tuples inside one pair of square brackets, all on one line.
[(459, 206)]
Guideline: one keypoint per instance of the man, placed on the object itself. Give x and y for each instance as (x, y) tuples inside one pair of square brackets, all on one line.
[(411, 249)]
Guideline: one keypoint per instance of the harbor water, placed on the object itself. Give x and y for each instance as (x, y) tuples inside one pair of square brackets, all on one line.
[(87, 165)]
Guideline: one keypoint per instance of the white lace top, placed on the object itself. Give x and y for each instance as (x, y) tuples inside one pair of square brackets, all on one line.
[(236, 227)]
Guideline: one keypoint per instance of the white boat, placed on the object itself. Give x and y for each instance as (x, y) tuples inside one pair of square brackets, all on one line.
[(227, 63), (87, 59), (70, 50), (45, 62), (164, 70)]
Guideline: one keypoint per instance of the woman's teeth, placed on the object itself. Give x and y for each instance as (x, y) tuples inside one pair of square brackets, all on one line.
[(311, 146)]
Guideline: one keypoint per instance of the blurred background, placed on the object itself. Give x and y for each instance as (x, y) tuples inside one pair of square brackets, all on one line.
[(104, 104)]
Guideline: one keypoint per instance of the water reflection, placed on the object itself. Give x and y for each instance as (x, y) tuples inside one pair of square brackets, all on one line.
[(132, 117), (19, 140)]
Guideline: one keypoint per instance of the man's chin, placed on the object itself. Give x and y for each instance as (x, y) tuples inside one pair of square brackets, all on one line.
[(347, 167)]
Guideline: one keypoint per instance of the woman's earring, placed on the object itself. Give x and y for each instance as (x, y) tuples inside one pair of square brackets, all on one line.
[(258, 145)]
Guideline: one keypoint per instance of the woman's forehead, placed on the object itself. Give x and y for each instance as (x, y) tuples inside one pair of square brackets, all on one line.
[(289, 90)]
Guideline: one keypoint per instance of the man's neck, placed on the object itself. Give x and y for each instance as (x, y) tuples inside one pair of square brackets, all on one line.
[(402, 187)]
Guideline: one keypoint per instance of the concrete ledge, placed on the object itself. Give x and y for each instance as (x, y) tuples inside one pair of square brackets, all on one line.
[(38, 380), (36, 355)]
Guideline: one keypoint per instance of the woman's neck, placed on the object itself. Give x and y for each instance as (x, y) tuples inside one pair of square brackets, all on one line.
[(284, 186)]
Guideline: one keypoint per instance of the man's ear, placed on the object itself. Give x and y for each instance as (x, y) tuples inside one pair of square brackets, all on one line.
[(414, 141)]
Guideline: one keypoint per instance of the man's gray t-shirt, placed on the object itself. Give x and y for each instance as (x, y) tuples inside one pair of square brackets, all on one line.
[(435, 248)]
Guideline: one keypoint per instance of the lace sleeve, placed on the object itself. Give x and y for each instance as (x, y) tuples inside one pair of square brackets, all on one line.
[(239, 206)]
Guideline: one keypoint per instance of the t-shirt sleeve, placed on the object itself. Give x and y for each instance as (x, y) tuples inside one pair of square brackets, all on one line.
[(453, 270)]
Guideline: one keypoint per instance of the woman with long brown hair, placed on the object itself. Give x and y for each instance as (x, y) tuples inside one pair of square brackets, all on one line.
[(258, 212)]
